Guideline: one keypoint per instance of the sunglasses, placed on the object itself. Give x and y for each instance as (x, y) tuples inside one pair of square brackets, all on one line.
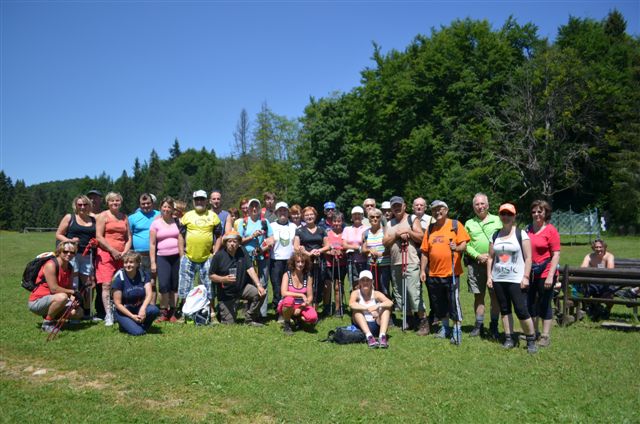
[(69, 252), (80, 205)]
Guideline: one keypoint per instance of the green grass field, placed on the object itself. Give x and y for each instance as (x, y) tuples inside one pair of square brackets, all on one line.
[(182, 373)]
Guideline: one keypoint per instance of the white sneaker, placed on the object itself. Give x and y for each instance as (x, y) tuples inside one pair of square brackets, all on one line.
[(108, 319)]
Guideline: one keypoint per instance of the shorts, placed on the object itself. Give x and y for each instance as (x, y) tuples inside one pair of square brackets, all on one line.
[(41, 306), (106, 267), (82, 264), (374, 328), (477, 278)]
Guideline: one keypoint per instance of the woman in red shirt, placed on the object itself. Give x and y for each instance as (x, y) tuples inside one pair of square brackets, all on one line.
[(545, 255), (55, 287)]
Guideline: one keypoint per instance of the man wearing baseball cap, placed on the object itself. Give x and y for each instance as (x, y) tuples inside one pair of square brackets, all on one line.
[(442, 247), (232, 270), (402, 236), (199, 226), (327, 221), (284, 232)]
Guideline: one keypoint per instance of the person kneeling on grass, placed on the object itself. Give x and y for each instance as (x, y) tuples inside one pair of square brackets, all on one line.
[(132, 294), (297, 293), (371, 311), (232, 269), (55, 288)]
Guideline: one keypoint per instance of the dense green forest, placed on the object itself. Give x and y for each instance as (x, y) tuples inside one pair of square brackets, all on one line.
[(464, 109)]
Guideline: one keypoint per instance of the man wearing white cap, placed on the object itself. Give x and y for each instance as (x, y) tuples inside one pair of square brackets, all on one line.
[(353, 238), (257, 238), (283, 234), (199, 226)]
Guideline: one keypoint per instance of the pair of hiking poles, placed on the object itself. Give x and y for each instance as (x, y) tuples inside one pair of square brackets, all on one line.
[(336, 287)]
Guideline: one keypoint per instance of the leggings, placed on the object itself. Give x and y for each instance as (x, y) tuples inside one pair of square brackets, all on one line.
[(168, 273), (511, 293), (539, 299)]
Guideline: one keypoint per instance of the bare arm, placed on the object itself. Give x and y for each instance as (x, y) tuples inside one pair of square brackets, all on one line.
[(63, 227), (52, 279), (526, 251), (586, 261), (416, 232), (127, 245), (555, 260), (490, 265), (152, 250)]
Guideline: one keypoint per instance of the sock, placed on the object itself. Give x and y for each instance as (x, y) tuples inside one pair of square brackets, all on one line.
[(369, 335), (480, 319), (382, 334), (49, 318)]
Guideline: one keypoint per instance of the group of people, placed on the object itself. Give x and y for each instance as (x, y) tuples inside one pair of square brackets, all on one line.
[(387, 255)]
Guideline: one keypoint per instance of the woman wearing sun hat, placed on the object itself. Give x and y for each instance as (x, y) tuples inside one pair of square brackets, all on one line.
[(508, 269)]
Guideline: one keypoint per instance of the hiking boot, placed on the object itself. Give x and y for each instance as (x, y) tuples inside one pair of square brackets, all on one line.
[(508, 342), (384, 343), (286, 328), (544, 341), (48, 326), (280, 319), (442, 334), (531, 344), (424, 329), (456, 336), (478, 330), (371, 341), (164, 315), (493, 330)]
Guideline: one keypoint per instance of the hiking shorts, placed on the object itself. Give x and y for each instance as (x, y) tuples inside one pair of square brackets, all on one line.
[(41, 306), (477, 277)]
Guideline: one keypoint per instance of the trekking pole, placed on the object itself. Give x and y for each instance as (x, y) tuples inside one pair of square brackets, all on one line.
[(63, 319), (339, 282), (93, 243), (453, 288), (403, 250), (350, 267), (373, 267), (333, 285)]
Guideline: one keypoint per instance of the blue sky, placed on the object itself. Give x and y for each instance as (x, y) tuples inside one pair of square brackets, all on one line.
[(88, 86)]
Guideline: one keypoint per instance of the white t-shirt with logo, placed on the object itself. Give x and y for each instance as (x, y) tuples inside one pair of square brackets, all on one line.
[(283, 236), (508, 259)]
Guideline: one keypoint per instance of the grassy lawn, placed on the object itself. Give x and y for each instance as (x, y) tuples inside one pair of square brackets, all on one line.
[(182, 373)]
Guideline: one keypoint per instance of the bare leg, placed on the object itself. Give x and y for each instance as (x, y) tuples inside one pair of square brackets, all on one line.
[(361, 322), (383, 320)]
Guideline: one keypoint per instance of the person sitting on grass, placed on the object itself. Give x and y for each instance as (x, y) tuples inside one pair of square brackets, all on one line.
[(132, 294), (297, 293), (55, 288), (371, 311)]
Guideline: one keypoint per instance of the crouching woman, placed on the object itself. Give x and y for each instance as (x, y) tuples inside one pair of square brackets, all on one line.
[(371, 311), (55, 287), (297, 293), (132, 293)]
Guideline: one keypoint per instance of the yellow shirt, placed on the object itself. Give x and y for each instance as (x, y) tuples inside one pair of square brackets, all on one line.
[(199, 235)]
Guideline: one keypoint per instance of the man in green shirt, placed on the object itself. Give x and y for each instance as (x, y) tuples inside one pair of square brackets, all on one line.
[(481, 229)]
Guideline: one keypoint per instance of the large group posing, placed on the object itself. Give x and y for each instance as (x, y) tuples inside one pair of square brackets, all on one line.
[(387, 256)]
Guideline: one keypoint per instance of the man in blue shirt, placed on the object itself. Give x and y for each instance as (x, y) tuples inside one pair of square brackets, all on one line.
[(139, 222), (215, 200), (257, 238)]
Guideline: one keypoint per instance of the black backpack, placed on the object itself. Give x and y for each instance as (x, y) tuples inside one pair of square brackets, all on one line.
[(32, 269), (518, 237), (346, 335)]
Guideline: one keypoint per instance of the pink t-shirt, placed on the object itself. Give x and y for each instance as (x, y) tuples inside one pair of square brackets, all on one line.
[(335, 241), (543, 245), (353, 235), (166, 237)]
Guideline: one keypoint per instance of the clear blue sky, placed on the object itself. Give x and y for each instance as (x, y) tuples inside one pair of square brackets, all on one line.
[(88, 86)]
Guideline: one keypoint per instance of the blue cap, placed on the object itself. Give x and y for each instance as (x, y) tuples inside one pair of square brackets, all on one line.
[(329, 205)]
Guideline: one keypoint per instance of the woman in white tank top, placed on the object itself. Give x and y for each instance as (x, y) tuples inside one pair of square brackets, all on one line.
[(371, 311)]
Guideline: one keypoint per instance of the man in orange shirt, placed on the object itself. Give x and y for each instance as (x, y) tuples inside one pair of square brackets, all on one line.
[(443, 243)]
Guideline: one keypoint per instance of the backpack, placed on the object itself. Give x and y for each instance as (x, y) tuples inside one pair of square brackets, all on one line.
[(454, 225), (32, 269), (196, 306), (346, 335)]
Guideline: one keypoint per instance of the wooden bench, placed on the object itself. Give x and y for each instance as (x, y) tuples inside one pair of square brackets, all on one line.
[(621, 277), (622, 263)]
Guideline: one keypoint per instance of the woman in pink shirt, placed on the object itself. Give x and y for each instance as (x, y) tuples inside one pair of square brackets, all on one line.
[(353, 237), (165, 252), (545, 255)]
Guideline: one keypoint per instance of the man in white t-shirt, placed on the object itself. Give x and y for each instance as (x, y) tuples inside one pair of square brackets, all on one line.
[(284, 232)]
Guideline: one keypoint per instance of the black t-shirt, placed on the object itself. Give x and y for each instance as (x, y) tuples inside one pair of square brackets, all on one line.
[(310, 240), (222, 262)]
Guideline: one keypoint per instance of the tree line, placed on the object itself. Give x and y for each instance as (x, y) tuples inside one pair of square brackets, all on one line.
[(464, 109)]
